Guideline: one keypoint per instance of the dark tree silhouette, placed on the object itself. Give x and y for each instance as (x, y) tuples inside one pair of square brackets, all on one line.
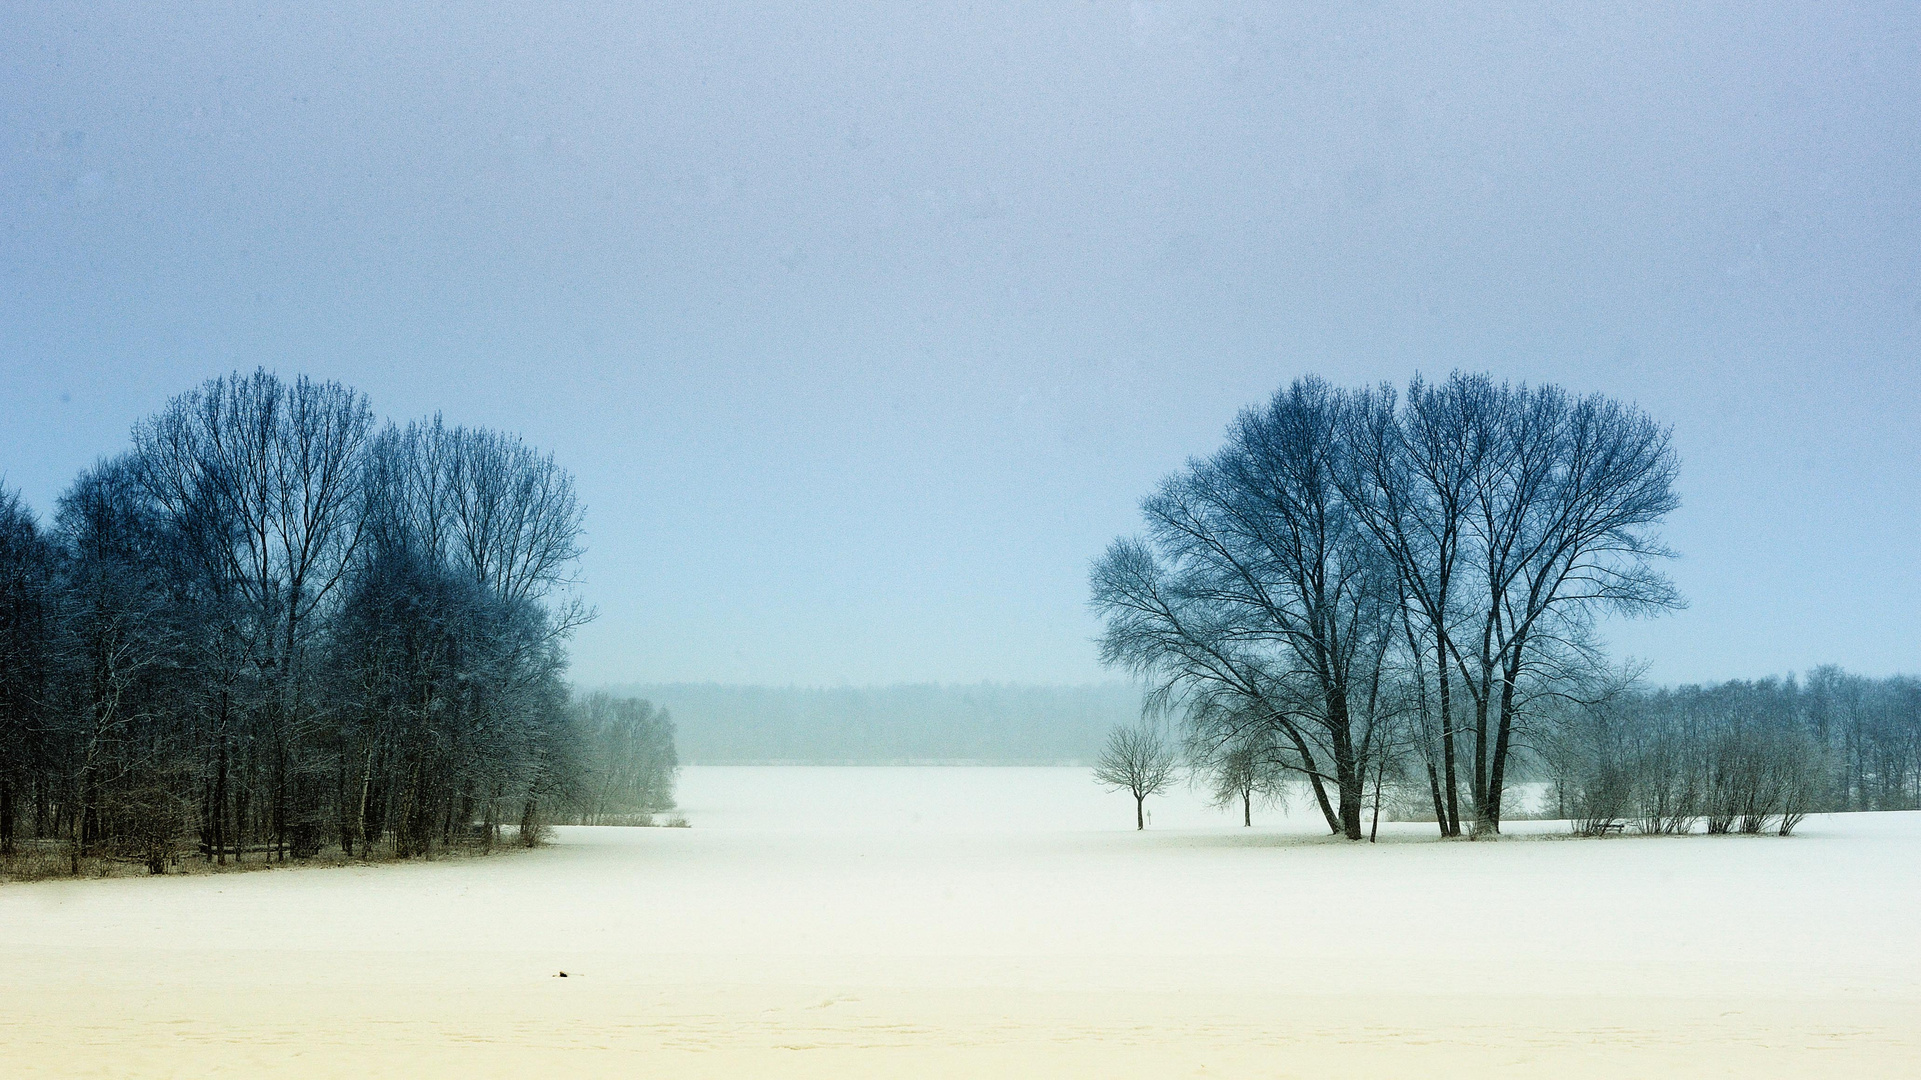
[(1139, 761)]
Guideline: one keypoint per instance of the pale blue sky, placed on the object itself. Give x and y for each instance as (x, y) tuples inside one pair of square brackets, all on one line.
[(865, 326)]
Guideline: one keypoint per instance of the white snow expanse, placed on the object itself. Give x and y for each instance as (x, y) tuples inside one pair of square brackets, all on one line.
[(932, 922)]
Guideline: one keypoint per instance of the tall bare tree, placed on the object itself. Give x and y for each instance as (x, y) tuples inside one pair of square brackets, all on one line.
[(282, 466), (1512, 516), (1258, 599), (1566, 526), (1408, 475)]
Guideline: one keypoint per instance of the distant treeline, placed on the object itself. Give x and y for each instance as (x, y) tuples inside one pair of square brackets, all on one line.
[(1743, 756), (985, 723), (274, 627)]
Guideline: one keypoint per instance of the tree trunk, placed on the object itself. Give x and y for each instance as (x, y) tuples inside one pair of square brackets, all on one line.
[(1451, 821), (281, 799), (1247, 809), (76, 827), (6, 815), (360, 816), (239, 823), (218, 811), (1444, 816), (1497, 776), (1481, 703), (1313, 778), (1434, 791), (1348, 771), (1140, 816), (1380, 777), (530, 822), (1327, 807)]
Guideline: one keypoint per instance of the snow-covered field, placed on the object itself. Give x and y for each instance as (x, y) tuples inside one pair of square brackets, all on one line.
[(990, 922)]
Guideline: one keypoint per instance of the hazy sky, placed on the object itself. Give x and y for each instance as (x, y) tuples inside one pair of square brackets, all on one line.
[(865, 326)]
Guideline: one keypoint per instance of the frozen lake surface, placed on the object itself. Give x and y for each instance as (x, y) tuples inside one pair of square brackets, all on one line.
[(991, 922)]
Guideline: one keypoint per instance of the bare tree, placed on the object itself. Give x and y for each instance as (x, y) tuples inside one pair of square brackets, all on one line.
[(113, 725), (1408, 475), (1138, 760), (282, 466), (1239, 772), (1258, 599), (1581, 542), (1512, 515)]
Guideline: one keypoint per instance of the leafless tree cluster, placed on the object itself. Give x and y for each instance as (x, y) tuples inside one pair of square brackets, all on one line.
[(631, 760), (273, 627), (1871, 730), (1740, 756), (1361, 583)]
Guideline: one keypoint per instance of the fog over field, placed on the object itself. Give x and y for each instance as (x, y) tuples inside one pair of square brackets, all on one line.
[(972, 922), (986, 723)]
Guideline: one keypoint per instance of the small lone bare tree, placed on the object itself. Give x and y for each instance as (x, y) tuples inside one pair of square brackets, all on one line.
[(1238, 772), (1140, 760)]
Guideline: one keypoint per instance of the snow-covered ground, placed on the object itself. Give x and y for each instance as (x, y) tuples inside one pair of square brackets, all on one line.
[(975, 921)]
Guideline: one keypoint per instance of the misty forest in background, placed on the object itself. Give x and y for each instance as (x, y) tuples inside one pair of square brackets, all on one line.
[(1740, 756), (274, 628), (1370, 595), (981, 724)]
